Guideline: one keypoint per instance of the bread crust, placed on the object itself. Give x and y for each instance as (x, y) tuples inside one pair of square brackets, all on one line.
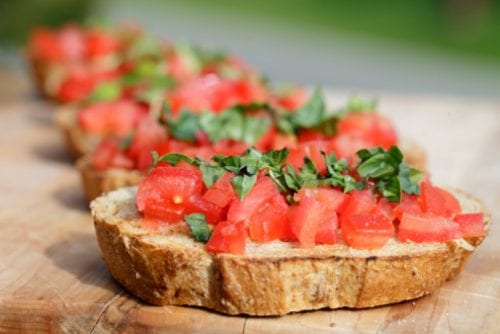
[(167, 267), (96, 182), (77, 141)]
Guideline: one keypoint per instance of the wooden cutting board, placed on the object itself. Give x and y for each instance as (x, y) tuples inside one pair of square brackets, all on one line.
[(52, 278)]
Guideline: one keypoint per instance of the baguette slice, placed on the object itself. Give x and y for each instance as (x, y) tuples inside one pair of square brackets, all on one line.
[(167, 267), (77, 141)]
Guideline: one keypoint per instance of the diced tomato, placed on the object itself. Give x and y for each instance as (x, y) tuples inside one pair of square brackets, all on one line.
[(214, 93), (471, 224), (310, 135), (165, 192), (44, 44), (72, 43), (269, 221), (359, 202), (107, 154), (367, 231), (386, 208), (148, 135), (305, 219), (371, 127), (115, 118), (327, 229), (292, 99), (221, 193), (263, 191), (329, 197), (228, 237), (426, 227), (409, 203), (99, 44), (213, 213), (346, 146), (65, 45), (265, 142), (282, 140), (230, 147), (76, 86), (438, 201), (311, 149)]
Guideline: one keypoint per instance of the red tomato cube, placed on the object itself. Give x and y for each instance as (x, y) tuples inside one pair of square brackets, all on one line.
[(367, 231), (471, 224), (427, 227), (228, 237)]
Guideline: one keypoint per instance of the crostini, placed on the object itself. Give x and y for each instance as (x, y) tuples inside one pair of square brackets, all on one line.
[(253, 235)]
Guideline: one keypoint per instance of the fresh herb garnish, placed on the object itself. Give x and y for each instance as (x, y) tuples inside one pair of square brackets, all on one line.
[(198, 226), (390, 174), (232, 123), (106, 91), (380, 170)]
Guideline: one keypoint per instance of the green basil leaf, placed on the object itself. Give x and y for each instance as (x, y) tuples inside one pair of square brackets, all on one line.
[(243, 184), (390, 189), (312, 113), (174, 158), (211, 174), (106, 91), (198, 226), (185, 126), (409, 178), (377, 166), (275, 157)]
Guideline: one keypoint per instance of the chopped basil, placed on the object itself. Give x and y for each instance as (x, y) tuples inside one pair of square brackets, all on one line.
[(106, 91), (198, 226), (391, 174), (379, 169)]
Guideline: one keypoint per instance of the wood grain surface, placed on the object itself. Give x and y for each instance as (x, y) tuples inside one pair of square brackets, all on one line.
[(52, 278)]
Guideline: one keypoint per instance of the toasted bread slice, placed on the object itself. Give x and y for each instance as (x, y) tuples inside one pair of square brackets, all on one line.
[(77, 141), (96, 182), (167, 266)]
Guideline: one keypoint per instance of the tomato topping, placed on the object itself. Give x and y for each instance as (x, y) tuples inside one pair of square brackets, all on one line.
[(304, 220), (213, 213), (386, 208), (370, 127), (269, 221), (330, 198), (409, 203), (99, 43), (263, 191), (427, 227), (438, 201), (311, 149), (165, 192), (116, 118), (228, 237), (107, 154), (214, 93), (471, 224), (367, 231), (221, 193), (147, 136), (359, 202)]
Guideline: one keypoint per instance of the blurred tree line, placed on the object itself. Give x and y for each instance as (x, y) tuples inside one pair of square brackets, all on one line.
[(467, 26)]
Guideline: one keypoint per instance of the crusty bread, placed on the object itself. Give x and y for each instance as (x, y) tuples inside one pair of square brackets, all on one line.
[(95, 182), (47, 75), (77, 141), (166, 266)]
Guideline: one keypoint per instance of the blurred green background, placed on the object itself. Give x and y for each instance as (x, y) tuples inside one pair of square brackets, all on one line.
[(432, 46)]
